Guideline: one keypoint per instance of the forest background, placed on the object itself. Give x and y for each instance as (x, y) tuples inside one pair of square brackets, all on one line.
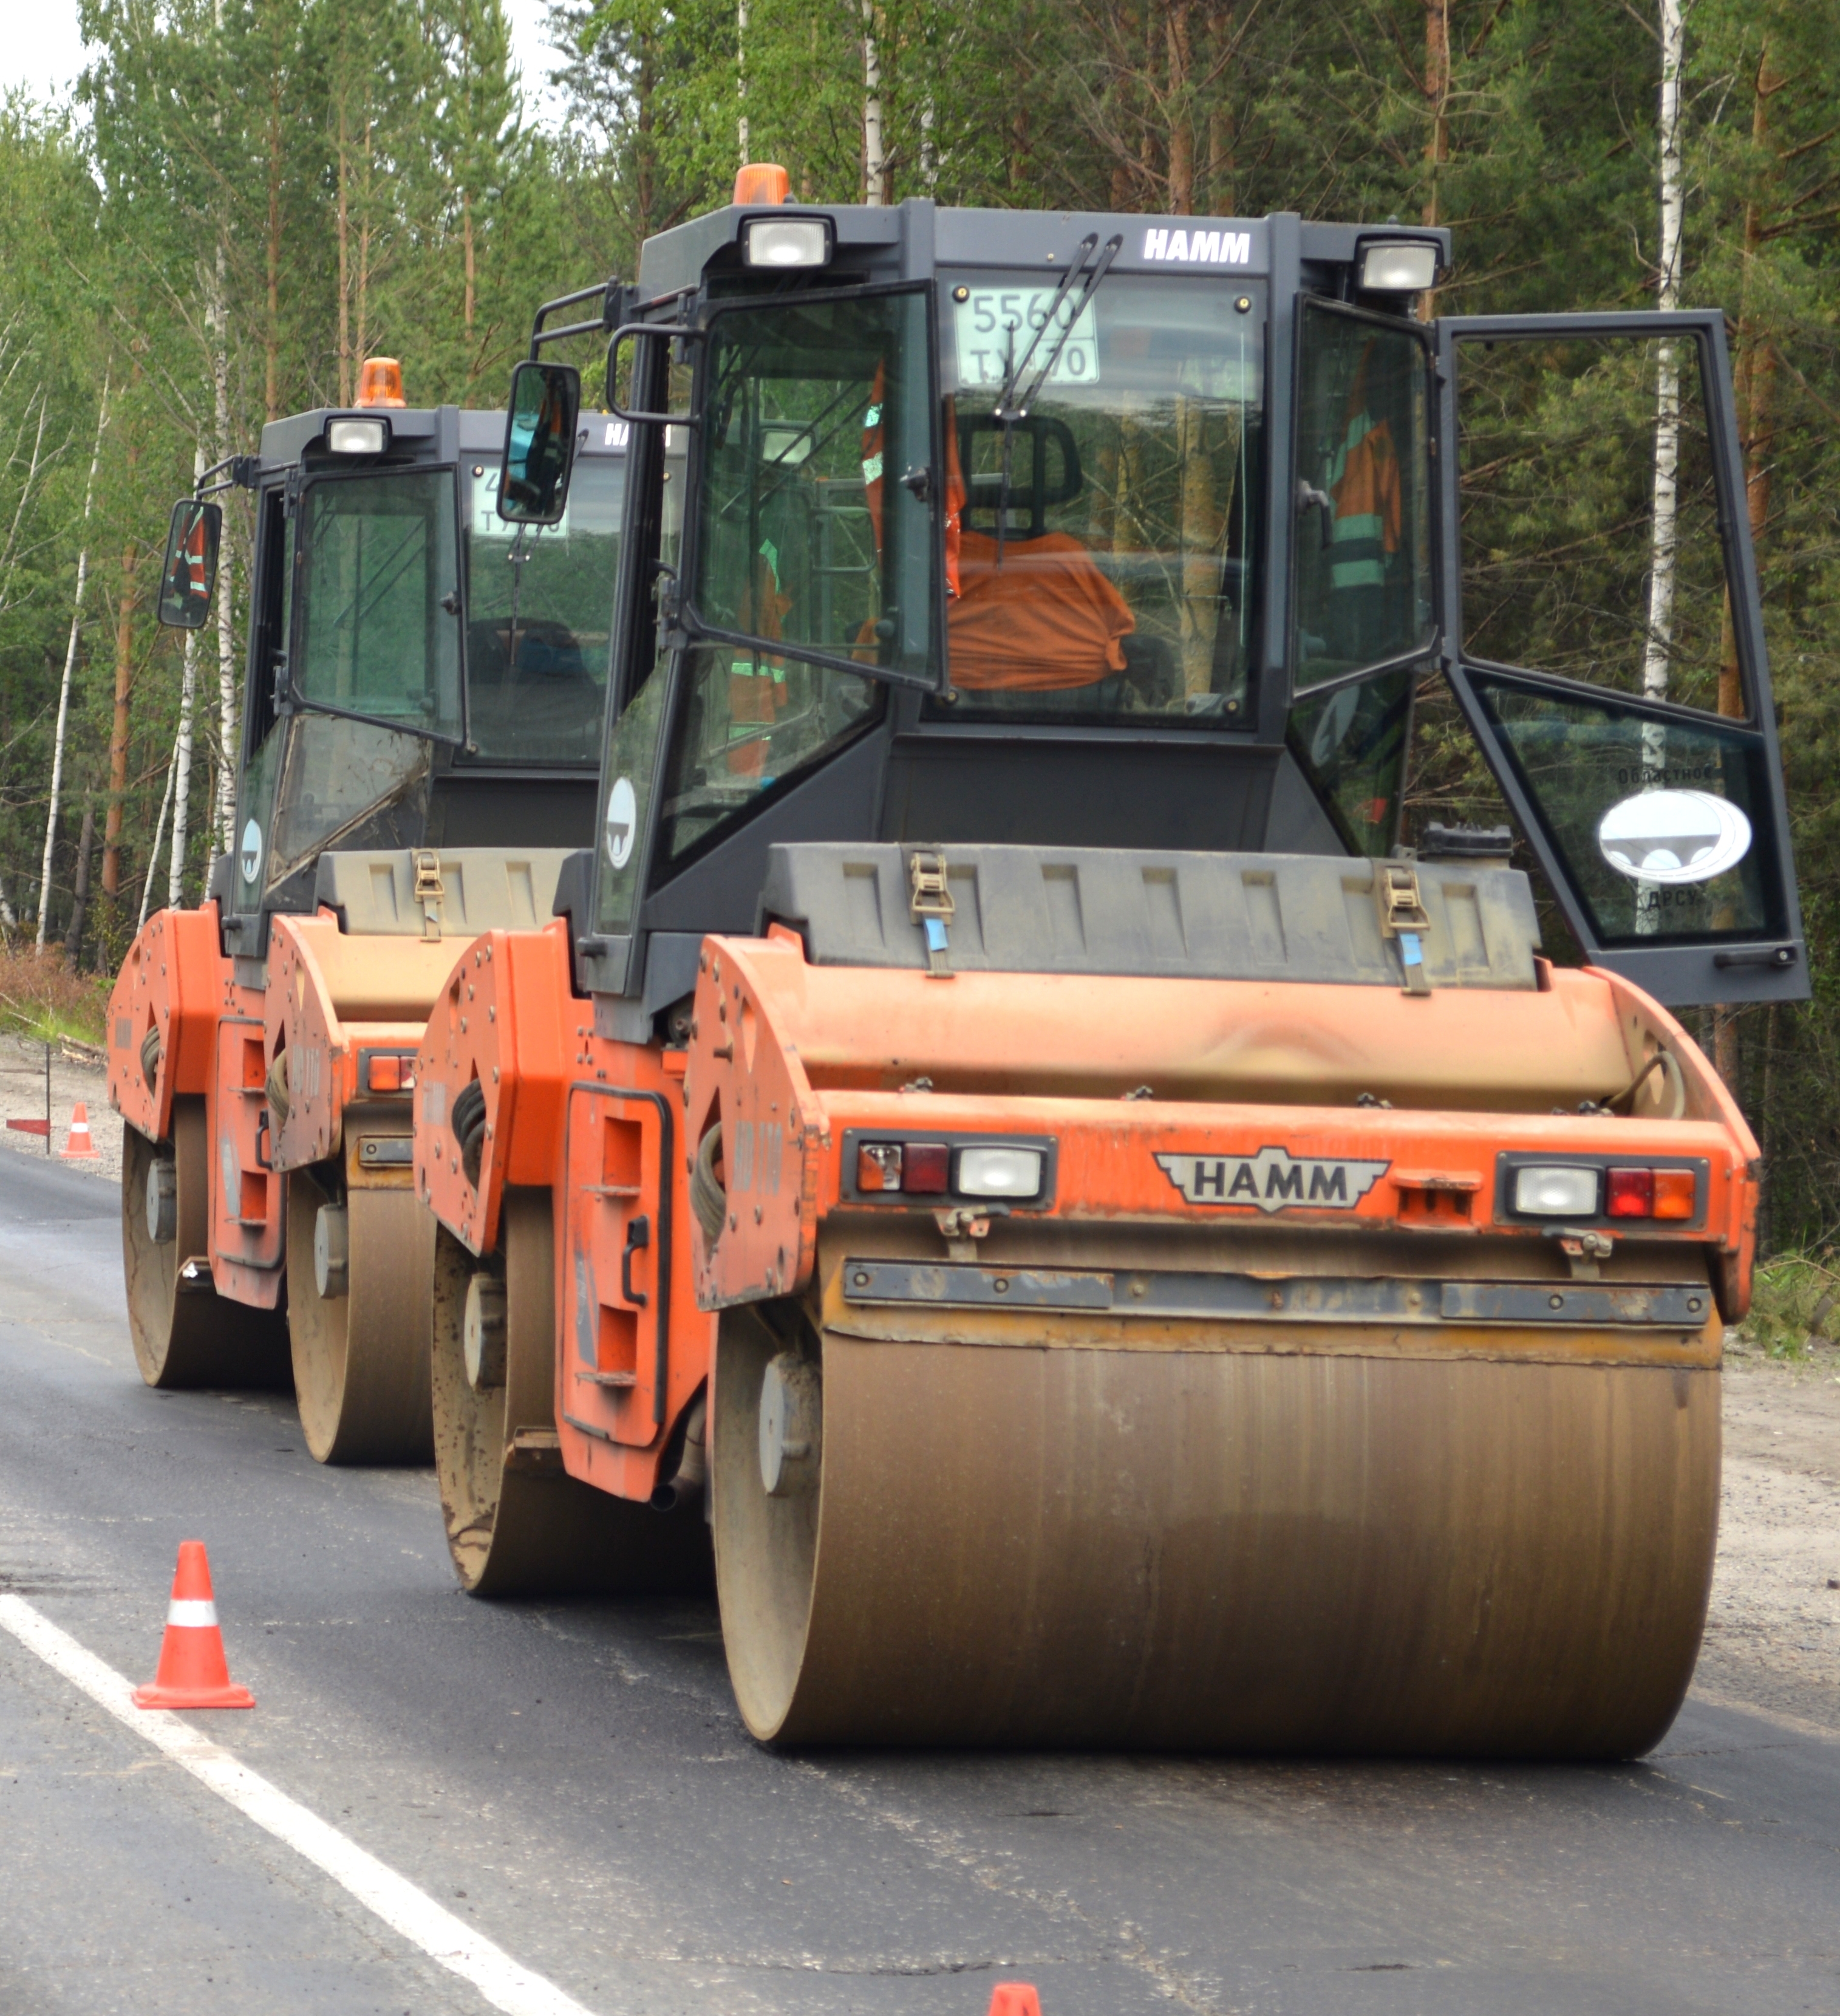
[(246, 197)]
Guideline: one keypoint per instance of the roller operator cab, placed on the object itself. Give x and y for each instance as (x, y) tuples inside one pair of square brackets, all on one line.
[(421, 714), (1138, 1257)]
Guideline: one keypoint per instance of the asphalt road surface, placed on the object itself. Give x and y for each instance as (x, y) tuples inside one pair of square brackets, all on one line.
[(571, 1781)]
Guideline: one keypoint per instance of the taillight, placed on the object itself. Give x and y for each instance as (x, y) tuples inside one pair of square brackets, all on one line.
[(1650, 1194), (918, 1168), (1018, 1170), (389, 1071)]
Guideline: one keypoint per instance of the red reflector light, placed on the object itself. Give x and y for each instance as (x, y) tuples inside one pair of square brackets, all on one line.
[(929, 1167), (386, 1074), (878, 1166), (1673, 1193), (1631, 1193)]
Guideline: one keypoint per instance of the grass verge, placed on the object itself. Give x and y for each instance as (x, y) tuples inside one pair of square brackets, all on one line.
[(41, 998)]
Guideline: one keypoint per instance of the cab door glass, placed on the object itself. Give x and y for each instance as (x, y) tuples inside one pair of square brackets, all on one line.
[(1566, 568), (1362, 497), (378, 630), (814, 534), (1600, 650)]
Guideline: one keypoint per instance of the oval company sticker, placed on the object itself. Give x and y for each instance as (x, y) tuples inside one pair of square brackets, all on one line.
[(623, 821), (251, 862)]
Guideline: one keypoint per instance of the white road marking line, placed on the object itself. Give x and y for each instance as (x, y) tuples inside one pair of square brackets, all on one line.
[(404, 1909)]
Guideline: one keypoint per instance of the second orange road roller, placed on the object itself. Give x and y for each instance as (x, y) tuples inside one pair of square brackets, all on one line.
[(420, 719), (1002, 1156)]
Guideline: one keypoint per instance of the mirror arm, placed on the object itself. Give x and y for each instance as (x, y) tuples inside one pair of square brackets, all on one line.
[(235, 472), (615, 299)]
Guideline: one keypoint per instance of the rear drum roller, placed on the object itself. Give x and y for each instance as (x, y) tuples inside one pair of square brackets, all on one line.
[(517, 1523), (185, 1334), (360, 1272), (1239, 1551)]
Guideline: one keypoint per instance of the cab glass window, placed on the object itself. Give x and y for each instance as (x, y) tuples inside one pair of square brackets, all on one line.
[(749, 720), (1362, 534), (379, 631), (1351, 744), (539, 616), (337, 773), (1663, 826), (808, 539), (1099, 550)]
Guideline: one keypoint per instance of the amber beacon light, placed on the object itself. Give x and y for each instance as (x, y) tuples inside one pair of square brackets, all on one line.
[(380, 383)]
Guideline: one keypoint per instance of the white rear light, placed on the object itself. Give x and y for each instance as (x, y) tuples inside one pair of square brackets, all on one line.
[(1557, 1189), (1000, 1172)]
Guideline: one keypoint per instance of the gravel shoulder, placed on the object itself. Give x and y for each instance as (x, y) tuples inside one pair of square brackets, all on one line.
[(21, 1097), (1773, 1634)]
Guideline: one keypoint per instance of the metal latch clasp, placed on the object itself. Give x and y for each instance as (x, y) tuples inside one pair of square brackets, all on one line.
[(930, 906), (1402, 917), (428, 890)]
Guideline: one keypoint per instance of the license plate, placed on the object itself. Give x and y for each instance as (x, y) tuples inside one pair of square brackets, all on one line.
[(994, 324)]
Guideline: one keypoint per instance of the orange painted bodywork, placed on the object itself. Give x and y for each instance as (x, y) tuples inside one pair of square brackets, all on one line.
[(783, 1054), (599, 1124), (329, 998), (789, 1057)]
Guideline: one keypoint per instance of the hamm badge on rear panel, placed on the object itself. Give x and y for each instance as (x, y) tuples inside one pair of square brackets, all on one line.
[(1273, 1179)]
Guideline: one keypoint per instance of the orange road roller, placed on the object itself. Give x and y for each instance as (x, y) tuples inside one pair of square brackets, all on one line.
[(424, 684), (1002, 1156)]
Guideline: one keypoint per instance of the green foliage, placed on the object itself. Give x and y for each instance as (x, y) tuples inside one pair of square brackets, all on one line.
[(1794, 1301)]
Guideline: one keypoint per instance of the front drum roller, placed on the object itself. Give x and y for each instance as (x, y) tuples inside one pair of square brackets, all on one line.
[(185, 1333), (1215, 1551), (358, 1317), (518, 1524)]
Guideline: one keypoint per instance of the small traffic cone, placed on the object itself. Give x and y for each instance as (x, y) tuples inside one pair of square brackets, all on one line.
[(193, 1673), (1014, 1998), (81, 1143)]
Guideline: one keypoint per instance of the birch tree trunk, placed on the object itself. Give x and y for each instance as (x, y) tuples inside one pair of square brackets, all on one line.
[(1658, 647), (64, 713), (228, 714), (741, 36), (158, 835), (875, 158)]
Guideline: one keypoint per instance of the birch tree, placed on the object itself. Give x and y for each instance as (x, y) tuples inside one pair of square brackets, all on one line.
[(64, 712)]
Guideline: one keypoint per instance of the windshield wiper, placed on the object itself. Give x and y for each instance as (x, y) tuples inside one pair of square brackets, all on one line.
[(1009, 409)]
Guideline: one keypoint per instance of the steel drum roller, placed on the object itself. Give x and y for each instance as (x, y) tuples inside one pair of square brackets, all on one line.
[(1218, 1550)]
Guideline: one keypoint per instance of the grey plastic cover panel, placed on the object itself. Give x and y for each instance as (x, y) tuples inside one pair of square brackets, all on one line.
[(1214, 917), (482, 889)]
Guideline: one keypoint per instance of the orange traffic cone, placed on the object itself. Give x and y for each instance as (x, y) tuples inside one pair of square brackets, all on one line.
[(1014, 1998), (192, 1670), (80, 1143)]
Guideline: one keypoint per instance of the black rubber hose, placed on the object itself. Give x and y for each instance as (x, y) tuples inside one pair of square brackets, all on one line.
[(469, 1128), (708, 1199)]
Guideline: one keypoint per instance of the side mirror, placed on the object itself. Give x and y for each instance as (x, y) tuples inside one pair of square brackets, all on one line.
[(539, 443), (190, 574)]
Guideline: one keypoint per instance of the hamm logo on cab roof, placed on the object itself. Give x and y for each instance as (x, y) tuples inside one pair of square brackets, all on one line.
[(1198, 248), (1273, 1179)]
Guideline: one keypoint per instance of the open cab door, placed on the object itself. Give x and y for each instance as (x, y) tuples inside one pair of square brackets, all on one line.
[(1602, 632)]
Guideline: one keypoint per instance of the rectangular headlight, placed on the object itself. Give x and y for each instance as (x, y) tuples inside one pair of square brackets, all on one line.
[(357, 437), (1398, 269), (786, 241), (1000, 1172), (1557, 1189)]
